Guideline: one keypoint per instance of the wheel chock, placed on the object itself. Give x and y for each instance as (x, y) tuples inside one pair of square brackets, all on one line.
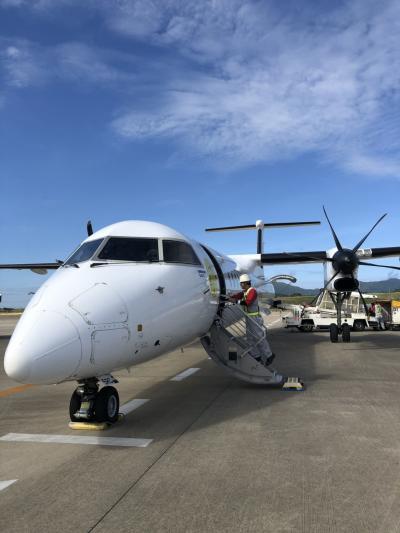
[(93, 426), (293, 384)]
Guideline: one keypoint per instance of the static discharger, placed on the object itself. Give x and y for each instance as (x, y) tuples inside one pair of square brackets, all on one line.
[(293, 384), (93, 426)]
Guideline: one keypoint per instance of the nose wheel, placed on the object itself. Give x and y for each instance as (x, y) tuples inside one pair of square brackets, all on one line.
[(89, 404)]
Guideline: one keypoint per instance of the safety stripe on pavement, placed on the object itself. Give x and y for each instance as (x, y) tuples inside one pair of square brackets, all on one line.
[(128, 407), (185, 374), (14, 390), (72, 439), (5, 484)]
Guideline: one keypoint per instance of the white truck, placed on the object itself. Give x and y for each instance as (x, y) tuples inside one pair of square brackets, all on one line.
[(323, 314)]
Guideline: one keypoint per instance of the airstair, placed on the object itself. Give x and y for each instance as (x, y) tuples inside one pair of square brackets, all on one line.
[(229, 343)]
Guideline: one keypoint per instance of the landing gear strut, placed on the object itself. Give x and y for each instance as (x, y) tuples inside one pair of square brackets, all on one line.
[(336, 329), (89, 404)]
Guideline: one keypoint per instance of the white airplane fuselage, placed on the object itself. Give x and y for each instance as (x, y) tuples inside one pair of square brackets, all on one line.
[(96, 316)]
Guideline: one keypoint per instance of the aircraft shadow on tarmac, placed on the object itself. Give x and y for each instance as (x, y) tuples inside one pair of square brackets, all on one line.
[(310, 356)]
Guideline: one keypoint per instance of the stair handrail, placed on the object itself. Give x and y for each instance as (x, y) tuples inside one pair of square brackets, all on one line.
[(231, 314)]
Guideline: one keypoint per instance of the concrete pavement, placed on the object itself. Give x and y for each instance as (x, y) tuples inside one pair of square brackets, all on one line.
[(225, 455)]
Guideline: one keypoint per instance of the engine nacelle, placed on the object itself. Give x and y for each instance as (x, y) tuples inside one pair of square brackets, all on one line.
[(341, 282)]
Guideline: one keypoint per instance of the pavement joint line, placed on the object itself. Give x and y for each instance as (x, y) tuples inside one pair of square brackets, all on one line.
[(73, 439), (14, 390), (128, 407), (7, 483), (214, 399), (185, 374)]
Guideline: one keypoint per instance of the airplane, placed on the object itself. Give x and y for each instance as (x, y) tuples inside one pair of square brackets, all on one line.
[(340, 272), (136, 290), (130, 292)]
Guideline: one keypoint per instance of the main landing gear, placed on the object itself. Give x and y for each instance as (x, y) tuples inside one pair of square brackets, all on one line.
[(91, 404), (334, 332)]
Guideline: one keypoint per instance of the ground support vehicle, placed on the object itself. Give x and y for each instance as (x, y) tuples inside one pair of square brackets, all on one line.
[(323, 314), (391, 313)]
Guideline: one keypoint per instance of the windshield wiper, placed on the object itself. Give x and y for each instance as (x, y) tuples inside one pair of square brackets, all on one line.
[(92, 265)]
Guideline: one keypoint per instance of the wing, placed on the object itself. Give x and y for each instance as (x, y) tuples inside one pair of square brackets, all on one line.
[(284, 258), (322, 256), (37, 268)]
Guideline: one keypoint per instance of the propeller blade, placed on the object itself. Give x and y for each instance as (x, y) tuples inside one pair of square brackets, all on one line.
[(89, 228), (375, 265), (311, 304), (337, 242), (357, 246), (332, 278)]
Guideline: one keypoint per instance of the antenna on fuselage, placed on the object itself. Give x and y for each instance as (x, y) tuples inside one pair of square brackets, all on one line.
[(260, 226)]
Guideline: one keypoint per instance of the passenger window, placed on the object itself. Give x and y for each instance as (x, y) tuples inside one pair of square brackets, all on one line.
[(130, 249), (179, 252)]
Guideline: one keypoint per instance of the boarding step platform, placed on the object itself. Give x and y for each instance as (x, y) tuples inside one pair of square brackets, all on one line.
[(229, 345)]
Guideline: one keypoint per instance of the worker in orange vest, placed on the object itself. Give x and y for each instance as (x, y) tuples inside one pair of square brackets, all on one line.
[(255, 329)]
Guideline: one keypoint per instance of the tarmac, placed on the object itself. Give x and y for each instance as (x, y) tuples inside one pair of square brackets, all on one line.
[(221, 455)]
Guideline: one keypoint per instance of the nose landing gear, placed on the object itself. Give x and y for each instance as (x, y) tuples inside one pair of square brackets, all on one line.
[(339, 328), (89, 404)]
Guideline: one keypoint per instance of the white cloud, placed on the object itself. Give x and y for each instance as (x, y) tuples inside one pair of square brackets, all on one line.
[(27, 64), (12, 3), (374, 166), (40, 5), (23, 65), (76, 61), (259, 82), (275, 87)]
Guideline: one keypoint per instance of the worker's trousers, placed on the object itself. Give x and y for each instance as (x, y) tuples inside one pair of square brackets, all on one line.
[(255, 331), (381, 322)]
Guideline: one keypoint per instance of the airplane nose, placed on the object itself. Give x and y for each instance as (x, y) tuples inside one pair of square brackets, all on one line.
[(45, 348)]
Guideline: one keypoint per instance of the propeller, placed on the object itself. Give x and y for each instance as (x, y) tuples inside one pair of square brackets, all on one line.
[(337, 242), (345, 260)]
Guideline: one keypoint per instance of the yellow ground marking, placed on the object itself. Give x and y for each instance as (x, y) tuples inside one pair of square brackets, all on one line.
[(14, 390)]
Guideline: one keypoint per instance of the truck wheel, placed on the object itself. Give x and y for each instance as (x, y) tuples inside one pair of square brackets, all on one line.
[(359, 325), (346, 333), (334, 332)]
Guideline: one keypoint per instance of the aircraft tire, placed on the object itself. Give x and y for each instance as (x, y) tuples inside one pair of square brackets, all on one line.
[(334, 332), (74, 406), (106, 407), (346, 333)]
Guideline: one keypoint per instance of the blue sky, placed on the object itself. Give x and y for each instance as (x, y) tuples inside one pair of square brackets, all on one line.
[(197, 114)]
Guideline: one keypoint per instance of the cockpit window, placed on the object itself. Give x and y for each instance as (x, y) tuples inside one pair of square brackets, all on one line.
[(130, 249), (84, 252), (179, 252)]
